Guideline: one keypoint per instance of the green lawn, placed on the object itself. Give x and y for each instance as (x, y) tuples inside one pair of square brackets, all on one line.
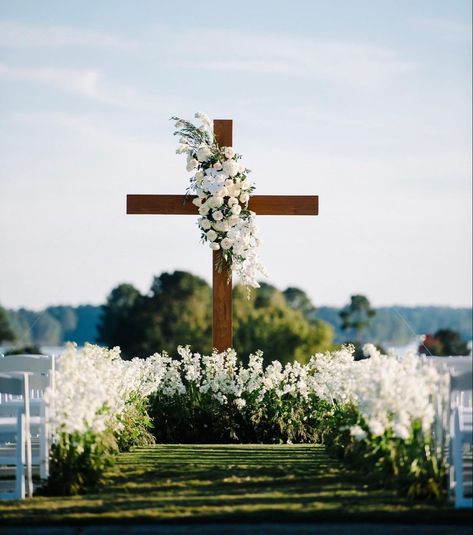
[(210, 483)]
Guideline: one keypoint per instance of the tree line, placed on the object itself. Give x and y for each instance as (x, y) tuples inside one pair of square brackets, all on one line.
[(177, 310)]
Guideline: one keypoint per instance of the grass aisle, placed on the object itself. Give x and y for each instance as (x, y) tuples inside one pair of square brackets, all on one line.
[(216, 483)]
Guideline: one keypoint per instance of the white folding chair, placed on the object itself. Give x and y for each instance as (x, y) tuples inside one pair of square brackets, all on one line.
[(41, 369), (461, 440), (17, 385)]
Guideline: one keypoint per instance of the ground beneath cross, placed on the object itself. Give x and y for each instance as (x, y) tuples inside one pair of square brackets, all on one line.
[(229, 483)]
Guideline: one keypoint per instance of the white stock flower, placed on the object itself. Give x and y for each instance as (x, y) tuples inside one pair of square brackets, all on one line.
[(358, 433)]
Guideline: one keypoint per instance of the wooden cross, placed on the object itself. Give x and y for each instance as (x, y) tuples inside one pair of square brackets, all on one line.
[(261, 204)]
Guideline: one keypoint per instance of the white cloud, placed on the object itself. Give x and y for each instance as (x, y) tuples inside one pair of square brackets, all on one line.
[(349, 63), (87, 83), (17, 35)]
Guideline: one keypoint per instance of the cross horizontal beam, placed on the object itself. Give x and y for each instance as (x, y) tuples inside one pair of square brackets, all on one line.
[(261, 204)]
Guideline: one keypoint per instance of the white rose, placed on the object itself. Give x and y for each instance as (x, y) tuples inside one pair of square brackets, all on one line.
[(215, 202), (221, 226), (230, 168), (244, 197), (197, 201), (229, 153), (214, 246), (231, 201), (218, 216), (204, 209), (212, 202), (217, 166), (245, 184), (222, 192), (233, 220), (204, 223), (226, 243), (204, 153), (236, 209), (236, 192), (211, 235)]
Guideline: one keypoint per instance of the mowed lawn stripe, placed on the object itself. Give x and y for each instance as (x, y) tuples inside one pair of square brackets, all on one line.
[(236, 483)]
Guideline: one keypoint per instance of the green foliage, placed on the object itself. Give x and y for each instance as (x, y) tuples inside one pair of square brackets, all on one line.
[(6, 331), (397, 325), (445, 342), (177, 311), (266, 322), (198, 418), (78, 462), (55, 325), (411, 466), (136, 425), (121, 321), (356, 315)]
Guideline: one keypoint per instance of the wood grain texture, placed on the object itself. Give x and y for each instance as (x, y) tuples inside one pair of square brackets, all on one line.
[(222, 316), (223, 130), (261, 204), (222, 325)]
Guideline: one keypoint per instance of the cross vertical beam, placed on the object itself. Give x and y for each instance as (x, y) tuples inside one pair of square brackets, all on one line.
[(222, 337)]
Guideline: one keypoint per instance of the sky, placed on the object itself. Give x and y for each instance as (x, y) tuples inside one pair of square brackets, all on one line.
[(366, 104)]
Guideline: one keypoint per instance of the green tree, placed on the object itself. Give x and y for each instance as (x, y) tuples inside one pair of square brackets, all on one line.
[(175, 312), (119, 323), (356, 316), (178, 312), (266, 322), (6, 332), (444, 343), (299, 300)]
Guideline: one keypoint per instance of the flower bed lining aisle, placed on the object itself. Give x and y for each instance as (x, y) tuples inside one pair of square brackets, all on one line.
[(229, 483)]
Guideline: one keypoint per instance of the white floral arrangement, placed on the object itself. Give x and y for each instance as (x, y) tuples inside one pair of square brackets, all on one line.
[(223, 190)]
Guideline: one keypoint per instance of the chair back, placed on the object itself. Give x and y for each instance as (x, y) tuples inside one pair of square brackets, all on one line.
[(10, 384), (40, 367)]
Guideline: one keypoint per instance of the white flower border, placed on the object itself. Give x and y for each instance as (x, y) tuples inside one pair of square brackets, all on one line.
[(223, 190)]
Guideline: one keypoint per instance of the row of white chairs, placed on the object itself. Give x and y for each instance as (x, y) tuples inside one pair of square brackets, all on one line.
[(24, 433), (455, 427)]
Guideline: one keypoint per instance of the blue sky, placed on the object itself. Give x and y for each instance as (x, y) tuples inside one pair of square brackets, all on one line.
[(365, 103)]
